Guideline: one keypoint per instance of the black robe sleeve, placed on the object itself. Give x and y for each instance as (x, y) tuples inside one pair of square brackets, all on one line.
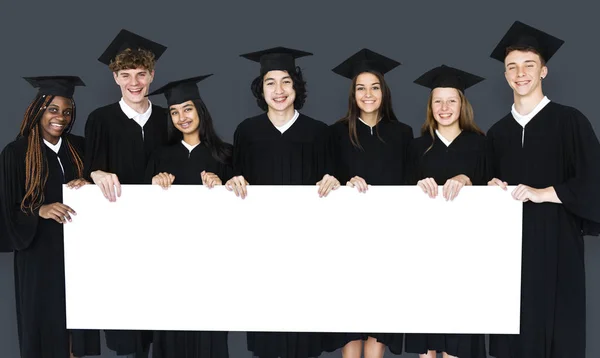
[(323, 155), (20, 227), (225, 170), (237, 159), (412, 163), (96, 151), (151, 167), (483, 169), (407, 139), (580, 194)]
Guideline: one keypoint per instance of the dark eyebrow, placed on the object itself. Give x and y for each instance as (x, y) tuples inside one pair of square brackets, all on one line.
[(272, 79)]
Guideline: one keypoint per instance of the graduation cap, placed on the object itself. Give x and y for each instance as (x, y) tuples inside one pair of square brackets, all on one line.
[(63, 86), (365, 60), (276, 58), (127, 39), (446, 76), (523, 35), (181, 91)]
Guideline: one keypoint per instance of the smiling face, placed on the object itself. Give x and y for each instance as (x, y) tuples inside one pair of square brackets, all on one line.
[(445, 106), (524, 72), (368, 93), (185, 117), (56, 118), (134, 84), (278, 90)]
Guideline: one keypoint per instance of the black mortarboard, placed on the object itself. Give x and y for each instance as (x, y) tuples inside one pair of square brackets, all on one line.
[(276, 58), (365, 60), (181, 91), (63, 86), (521, 34), (127, 39), (446, 76)]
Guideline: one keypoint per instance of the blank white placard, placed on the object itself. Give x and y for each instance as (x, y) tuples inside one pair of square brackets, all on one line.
[(283, 259)]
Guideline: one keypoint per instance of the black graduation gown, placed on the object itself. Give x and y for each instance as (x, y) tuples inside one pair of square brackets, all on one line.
[(265, 156), (186, 166), (560, 149), (114, 143), (176, 159), (381, 161), (468, 154), (39, 255), (5, 245)]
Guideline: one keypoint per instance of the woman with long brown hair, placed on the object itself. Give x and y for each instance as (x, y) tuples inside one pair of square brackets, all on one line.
[(369, 147), (33, 169), (452, 152)]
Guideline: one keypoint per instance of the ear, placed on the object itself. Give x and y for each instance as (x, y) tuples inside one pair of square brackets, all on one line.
[(544, 72), (116, 76)]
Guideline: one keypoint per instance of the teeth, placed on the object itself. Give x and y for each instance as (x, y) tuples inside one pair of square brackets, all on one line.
[(56, 125)]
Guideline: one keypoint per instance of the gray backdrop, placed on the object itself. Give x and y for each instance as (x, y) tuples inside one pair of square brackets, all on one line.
[(66, 37)]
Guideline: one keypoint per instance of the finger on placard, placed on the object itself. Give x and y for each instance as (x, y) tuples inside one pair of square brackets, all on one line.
[(102, 188), (110, 190), (500, 183), (320, 187), (56, 218), (458, 189), (329, 186), (244, 189), (432, 187), (323, 188), (365, 184), (68, 209)]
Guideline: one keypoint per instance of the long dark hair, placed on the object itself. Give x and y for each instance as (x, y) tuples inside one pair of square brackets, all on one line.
[(36, 166), (220, 150), (385, 111)]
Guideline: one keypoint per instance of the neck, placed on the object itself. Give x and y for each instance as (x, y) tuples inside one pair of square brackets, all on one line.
[(279, 118), (525, 104), (370, 118), (140, 107), (192, 138), (51, 139), (450, 132)]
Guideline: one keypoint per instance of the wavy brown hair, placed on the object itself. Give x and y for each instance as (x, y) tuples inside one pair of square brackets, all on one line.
[(466, 121), (132, 59), (385, 110), (36, 165)]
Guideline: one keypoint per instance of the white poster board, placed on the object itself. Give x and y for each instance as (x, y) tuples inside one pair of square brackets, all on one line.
[(283, 259)]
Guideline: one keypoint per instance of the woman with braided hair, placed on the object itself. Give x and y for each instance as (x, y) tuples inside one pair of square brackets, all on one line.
[(33, 169)]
